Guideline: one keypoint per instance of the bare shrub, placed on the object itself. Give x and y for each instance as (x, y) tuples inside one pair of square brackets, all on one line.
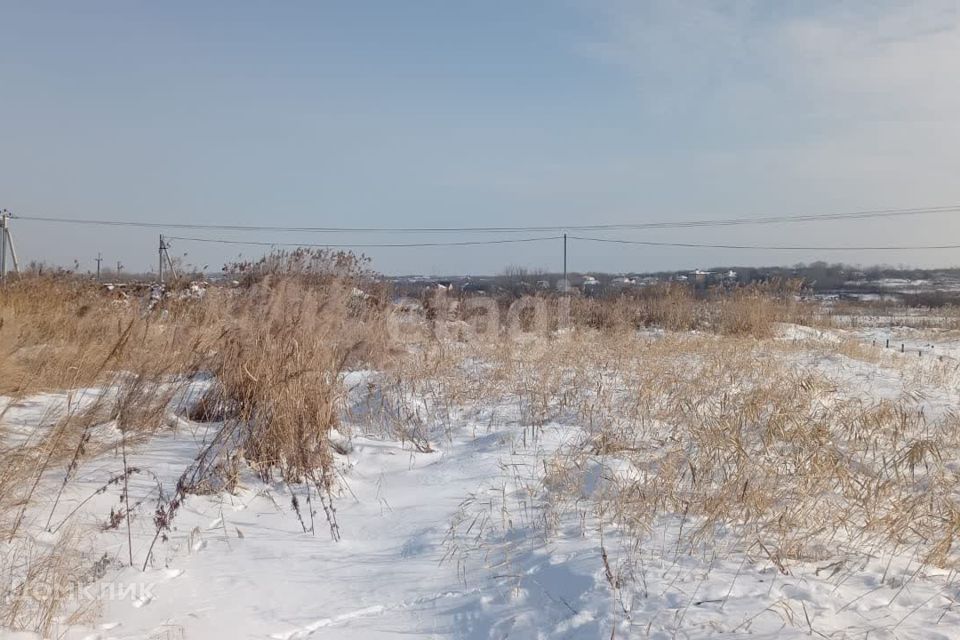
[(748, 310), (276, 348)]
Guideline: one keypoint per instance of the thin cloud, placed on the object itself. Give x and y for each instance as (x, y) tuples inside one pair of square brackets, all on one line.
[(894, 61)]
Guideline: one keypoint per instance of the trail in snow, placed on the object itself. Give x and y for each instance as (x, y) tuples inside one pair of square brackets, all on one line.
[(240, 566)]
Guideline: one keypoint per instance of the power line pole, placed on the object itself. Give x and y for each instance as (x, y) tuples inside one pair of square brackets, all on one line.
[(99, 260), (119, 269), (13, 250), (164, 252), (565, 287), (6, 240), (160, 262), (3, 245)]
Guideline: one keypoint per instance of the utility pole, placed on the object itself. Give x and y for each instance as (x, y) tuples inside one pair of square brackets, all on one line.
[(160, 262), (565, 287), (6, 240), (165, 253), (119, 269), (99, 260), (3, 245)]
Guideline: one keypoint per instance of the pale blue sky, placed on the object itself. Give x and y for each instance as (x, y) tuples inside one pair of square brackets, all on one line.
[(450, 113)]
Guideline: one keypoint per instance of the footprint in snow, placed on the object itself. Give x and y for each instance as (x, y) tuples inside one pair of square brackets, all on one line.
[(106, 626), (307, 631), (417, 544), (142, 601)]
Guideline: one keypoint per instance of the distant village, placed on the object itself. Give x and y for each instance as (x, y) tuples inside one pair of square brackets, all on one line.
[(836, 281), (916, 287), (584, 284)]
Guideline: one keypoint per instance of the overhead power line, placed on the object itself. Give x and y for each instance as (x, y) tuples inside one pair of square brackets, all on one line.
[(764, 220), (367, 245), (646, 243), (761, 247)]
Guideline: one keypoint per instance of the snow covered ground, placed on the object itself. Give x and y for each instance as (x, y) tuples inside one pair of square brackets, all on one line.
[(454, 543)]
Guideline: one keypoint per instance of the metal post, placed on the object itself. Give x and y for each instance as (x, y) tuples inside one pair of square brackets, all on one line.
[(99, 260)]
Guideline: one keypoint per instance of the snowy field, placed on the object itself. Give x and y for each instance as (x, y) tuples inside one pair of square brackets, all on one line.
[(557, 488)]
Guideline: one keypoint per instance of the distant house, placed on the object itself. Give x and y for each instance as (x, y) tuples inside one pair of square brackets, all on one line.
[(699, 275), (477, 288)]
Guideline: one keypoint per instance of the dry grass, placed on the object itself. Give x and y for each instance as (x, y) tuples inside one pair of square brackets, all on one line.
[(275, 347), (710, 417), (277, 379), (753, 310), (888, 313), (756, 449), (47, 578)]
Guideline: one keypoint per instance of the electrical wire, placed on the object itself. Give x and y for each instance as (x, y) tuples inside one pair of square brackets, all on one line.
[(757, 247), (765, 220), (646, 243), (366, 245)]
